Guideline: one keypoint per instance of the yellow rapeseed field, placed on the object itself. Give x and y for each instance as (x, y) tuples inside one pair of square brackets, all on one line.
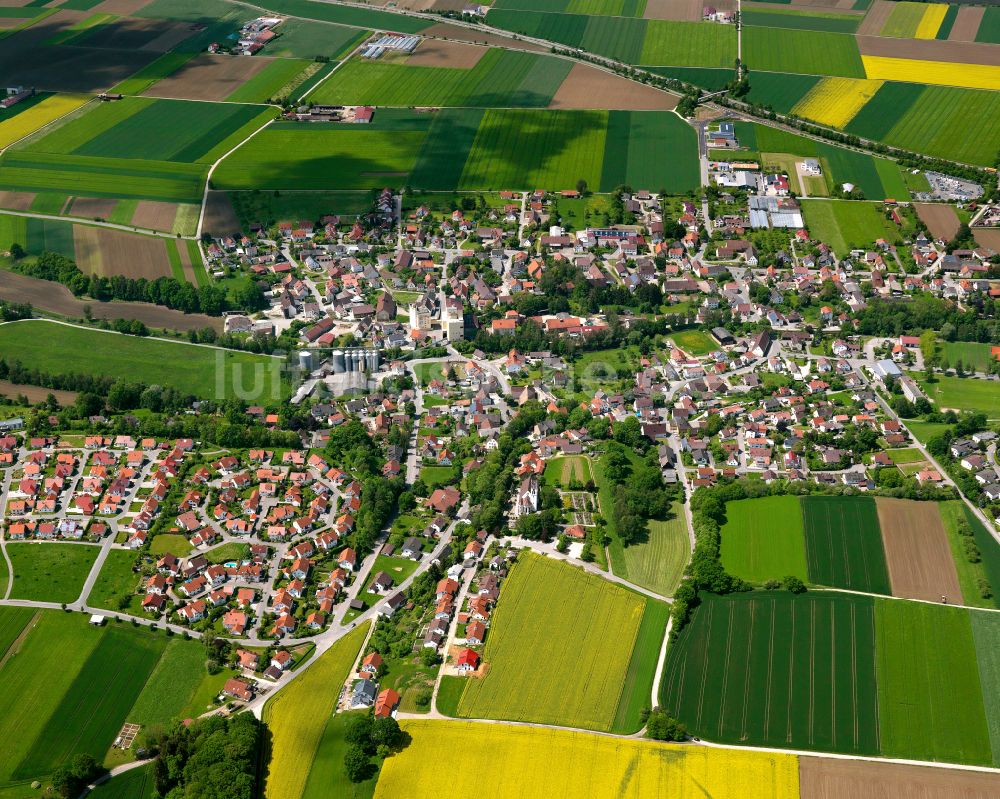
[(835, 101), (297, 716), (931, 21), (938, 73), (508, 762), (20, 125)]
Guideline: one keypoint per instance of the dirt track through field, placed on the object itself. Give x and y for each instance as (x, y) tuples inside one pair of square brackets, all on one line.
[(208, 77), (593, 89), (824, 778), (57, 299), (941, 220), (155, 215), (917, 551), (966, 24), (439, 53), (876, 18), (931, 50)]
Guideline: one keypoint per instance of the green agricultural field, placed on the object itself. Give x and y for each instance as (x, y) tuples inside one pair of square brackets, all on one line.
[(273, 81), (656, 562), (293, 156), (137, 783), (94, 708), (777, 669), (877, 117), (694, 342), (51, 235), (585, 668), (117, 583), (141, 81), (35, 682), (637, 139), (803, 52), (763, 539), (302, 39), (974, 356), (13, 621), (347, 15), (181, 365), (50, 572), (171, 685), (847, 224), (830, 22), (844, 544), (904, 20), (688, 44), (930, 125), (989, 28), (861, 169), (929, 692), (953, 512), (964, 394), (501, 78), (780, 91), (635, 693), (986, 635), (712, 79), (267, 209)]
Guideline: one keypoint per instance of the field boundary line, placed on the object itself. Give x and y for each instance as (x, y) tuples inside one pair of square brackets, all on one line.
[(211, 171)]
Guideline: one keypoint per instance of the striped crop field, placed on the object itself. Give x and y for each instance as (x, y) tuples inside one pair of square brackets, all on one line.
[(585, 668), (937, 73), (15, 124), (803, 52), (931, 21), (835, 101), (911, 20)]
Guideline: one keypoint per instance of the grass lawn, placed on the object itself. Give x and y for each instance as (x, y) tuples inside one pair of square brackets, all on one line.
[(924, 431), (296, 738), (169, 542), (657, 562), (898, 456), (585, 667), (397, 568), (50, 572), (116, 582), (437, 476), (778, 669), (694, 342), (844, 544), (764, 539), (964, 394), (234, 550), (205, 372), (929, 691)]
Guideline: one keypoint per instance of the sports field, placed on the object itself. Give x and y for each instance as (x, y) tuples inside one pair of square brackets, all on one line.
[(501, 762), (929, 691), (580, 683), (764, 539), (202, 371), (471, 150), (806, 52), (500, 78), (50, 572), (964, 394), (844, 544), (776, 669), (296, 739)]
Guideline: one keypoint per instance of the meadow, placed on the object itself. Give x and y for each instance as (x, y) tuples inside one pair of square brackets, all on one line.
[(656, 562), (760, 669), (986, 635), (501, 78), (559, 666), (844, 544), (974, 356), (298, 739), (184, 366), (964, 394), (50, 572), (694, 342), (503, 761), (763, 539), (953, 512), (929, 691), (804, 52), (116, 581)]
